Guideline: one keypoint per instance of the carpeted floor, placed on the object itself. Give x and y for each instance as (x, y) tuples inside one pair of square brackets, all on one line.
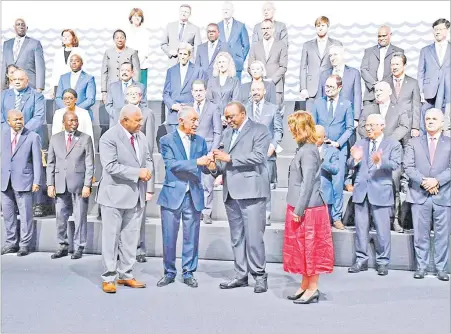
[(40, 295)]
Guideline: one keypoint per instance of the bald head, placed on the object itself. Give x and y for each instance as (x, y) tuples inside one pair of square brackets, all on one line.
[(382, 92), (434, 120), (131, 118), (15, 120), (19, 79), (321, 134), (258, 90)]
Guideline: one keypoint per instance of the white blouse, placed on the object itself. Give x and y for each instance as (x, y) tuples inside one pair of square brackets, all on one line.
[(60, 67), (138, 38)]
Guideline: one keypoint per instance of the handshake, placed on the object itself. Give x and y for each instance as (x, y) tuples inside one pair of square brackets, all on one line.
[(208, 161), (144, 174)]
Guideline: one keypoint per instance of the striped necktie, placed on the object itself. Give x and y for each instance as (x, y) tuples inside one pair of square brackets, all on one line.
[(18, 101)]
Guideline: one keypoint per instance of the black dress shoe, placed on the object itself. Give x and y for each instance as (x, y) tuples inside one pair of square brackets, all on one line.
[(141, 258), (295, 297), (77, 254), (261, 284), (191, 282), (234, 283), (60, 253), (382, 270), (313, 299), (23, 251), (38, 210), (358, 267), (442, 276), (419, 274), (165, 280), (9, 249)]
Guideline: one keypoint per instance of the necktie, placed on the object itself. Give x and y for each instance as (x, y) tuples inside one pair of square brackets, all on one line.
[(397, 86), (234, 136), (198, 108), (16, 49), (124, 87), (14, 143), (331, 109), (69, 142), (182, 29), (210, 52), (440, 53), (257, 112), (227, 32), (17, 102), (380, 69), (432, 146), (132, 141), (373, 148)]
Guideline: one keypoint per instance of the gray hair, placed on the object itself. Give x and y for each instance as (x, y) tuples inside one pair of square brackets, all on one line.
[(76, 54), (437, 111), (129, 109), (13, 112), (384, 84), (185, 46), (269, 3), (378, 117), (184, 110)]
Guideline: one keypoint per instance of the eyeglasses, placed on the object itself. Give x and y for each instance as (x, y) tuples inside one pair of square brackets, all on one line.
[(372, 126), (133, 94), (331, 87)]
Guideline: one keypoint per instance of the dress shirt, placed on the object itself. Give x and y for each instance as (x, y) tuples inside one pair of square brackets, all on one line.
[(125, 85), (228, 31), (222, 79), (13, 133), (186, 141), (136, 143), (334, 102), (236, 132), (267, 44), (320, 149), (440, 48), (211, 49), (339, 70), (382, 54), (74, 76), (201, 106), (383, 108), (402, 77), (322, 43), (66, 136), (183, 71), (378, 143), (21, 40), (138, 38)]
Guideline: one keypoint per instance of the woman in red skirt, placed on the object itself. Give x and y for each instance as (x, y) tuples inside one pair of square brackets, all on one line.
[(308, 248)]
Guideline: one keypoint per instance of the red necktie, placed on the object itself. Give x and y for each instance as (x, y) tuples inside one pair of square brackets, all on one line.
[(69, 142), (14, 143), (432, 146), (397, 86), (132, 141)]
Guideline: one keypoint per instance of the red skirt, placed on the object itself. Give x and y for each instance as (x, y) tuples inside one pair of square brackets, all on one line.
[(308, 248)]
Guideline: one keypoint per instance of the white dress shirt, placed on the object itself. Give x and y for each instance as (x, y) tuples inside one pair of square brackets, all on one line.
[(228, 31), (267, 44), (74, 76), (211, 49), (183, 71), (380, 69), (322, 43), (402, 77), (383, 108), (235, 134), (378, 143), (339, 70), (138, 38), (201, 106), (440, 48), (18, 40), (222, 79), (186, 141), (136, 143)]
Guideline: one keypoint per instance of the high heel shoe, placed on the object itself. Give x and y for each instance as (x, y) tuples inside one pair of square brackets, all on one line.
[(295, 297), (313, 299)]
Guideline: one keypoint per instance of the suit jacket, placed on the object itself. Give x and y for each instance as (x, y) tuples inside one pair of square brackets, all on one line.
[(351, 89), (312, 64), (329, 166), (304, 183), (85, 88), (238, 42), (70, 170), (202, 56), (60, 66), (276, 65), (376, 183), (176, 92), (222, 95), (246, 176), (417, 164), (280, 32), (115, 100), (270, 116), (430, 71), (444, 91), (120, 187), (397, 123), (170, 41), (148, 129), (31, 59), (369, 66), (182, 171), (32, 106), (210, 125), (23, 167), (409, 98), (340, 128), (112, 61)]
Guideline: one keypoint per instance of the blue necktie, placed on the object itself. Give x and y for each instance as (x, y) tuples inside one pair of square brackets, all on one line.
[(234, 137), (331, 109)]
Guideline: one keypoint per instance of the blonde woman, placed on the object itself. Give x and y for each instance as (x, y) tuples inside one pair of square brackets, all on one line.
[(258, 73)]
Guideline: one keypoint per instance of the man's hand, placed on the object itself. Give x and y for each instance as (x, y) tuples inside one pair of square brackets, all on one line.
[(144, 174), (356, 124), (203, 161), (271, 150), (357, 153), (376, 158), (334, 144), (422, 99), (212, 164), (51, 192), (85, 192), (429, 183), (104, 97), (414, 133), (176, 106), (304, 94), (149, 196), (349, 187), (221, 156), (35, 188), (433, 191)]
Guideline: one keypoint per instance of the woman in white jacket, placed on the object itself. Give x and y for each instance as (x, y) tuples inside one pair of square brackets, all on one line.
[(62, 56)]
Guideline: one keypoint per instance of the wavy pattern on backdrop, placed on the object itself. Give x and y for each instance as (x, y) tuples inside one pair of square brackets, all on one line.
[(411, 36)]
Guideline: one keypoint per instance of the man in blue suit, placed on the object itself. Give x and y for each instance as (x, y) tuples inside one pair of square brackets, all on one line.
[(234, 33), (177, 87), (427, 162), (26, 53), (336, 115), (21, 176), (182, 196), (374, 159), (207, 52), (83, 83), (116, 92)]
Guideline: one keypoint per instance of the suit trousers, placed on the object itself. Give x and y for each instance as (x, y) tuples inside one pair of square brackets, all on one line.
[(272, 169), (338, 181), (120, 235), (381, 220), (142, 234), (23, 200), (67, 204), (247, 223), (208, 185), (423, 215), (170, 224)]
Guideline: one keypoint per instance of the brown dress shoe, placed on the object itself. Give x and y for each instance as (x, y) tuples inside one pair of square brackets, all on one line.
[(132, 283), (109, 287), (339, 225)]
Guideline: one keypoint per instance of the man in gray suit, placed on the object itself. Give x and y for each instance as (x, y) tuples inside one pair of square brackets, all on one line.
[(180, 31), (246, 188), (280, 29), (21, 176), (210, 128), (427, 161), (134, 96), (70, 168), (25, 53), (274, 55), (267, 114), (122, 193), (376, 62), (373, 159), (314, 60)]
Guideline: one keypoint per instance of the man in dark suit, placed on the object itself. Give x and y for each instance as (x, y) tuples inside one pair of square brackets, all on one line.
[(373, 159), (21, 176), (207, 52), (210, 128), (25, 53), (182, 196), (70, 168), (427, 161), (83, 83), (376, 62), (243, 166), (336, 115)]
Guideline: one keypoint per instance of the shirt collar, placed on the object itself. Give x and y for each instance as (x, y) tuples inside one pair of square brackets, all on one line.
[(183, 134), (401, 77), (13, 133), (341, 68), (75, 73), (230, 21), (322, 40), (383, 47), (20, 38), (436, 136), (443, 43), (379, 139), (242, 125)]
